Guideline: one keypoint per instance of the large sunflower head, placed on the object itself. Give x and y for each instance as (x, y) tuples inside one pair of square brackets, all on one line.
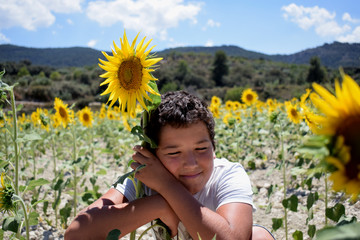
[(86, 116), (341, 120), (249, 97), (128, 74), (62, 112)]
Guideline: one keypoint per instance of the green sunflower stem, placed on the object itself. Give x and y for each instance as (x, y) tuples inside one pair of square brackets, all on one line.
[(92, 150), (326, 198), (27, 225), (13, 107), (75, 168), (53, 148), (282, 152)]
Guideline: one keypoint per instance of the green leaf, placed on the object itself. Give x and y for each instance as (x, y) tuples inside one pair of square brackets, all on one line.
[(345, 232), (29, 137), (122, 178), (156, 99), (138, 131), (310, 200), (291, 203), (11, 224), (298, 235), (37, 182), (277, 223), (101, 172), (311, 230), (335, 212), (33, 218), (113, 234)]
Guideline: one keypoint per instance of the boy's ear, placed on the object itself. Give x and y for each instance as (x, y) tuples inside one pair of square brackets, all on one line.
[(214, 155)]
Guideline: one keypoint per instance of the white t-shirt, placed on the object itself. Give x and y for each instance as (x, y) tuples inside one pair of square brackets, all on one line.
[(228, 183)]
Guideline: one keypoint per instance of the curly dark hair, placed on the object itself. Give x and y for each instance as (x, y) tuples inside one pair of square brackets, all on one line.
[(179, 109)]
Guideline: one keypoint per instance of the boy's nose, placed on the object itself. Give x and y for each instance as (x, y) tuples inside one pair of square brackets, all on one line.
[(190, 160)]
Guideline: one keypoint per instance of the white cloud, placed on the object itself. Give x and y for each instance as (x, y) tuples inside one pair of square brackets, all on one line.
[(321, 19), (152, 17), (352, 37), (92, 43), (209, 43), (69, 21), (3, 38), (33, 14), (211, 23), (347, 17)]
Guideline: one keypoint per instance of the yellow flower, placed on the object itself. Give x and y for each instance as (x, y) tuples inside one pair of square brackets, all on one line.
[(62, 112), (111, 114), (129, 74), (215, 101), (56, 121), (229, 105), (215, 111), (229, 119), (86, 116), (293, 114), (311, 119), (249, 97), (6, 193), (236, 105), (341, 121)]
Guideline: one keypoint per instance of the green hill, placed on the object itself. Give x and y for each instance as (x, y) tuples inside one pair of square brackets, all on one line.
[(331, 55)]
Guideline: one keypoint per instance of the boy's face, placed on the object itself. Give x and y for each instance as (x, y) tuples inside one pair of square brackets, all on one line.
[(187, 152)]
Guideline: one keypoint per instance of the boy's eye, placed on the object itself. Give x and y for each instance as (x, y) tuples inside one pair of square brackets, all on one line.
[(201, 149), (173, 153)]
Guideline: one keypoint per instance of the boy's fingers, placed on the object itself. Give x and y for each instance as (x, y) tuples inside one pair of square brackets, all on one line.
[(143, 151)]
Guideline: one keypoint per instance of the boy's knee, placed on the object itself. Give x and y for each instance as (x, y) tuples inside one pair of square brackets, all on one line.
[(260, 233)]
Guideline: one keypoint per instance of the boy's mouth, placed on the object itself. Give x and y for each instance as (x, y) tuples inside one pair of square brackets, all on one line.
[(190, 176)]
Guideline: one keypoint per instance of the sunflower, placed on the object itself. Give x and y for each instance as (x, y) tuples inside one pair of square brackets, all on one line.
[(111, 114), (229, 105), (62, 112), (6, 193), (215, 101), (129, 74), (292, 112), (86, 116), (341, 121), (215, 110), (249, 97)]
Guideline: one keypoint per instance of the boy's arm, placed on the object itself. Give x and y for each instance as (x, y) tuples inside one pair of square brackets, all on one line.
[(230, 221), (112, 212)]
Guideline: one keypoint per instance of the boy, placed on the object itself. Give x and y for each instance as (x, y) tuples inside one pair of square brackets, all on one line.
[(191, 191)]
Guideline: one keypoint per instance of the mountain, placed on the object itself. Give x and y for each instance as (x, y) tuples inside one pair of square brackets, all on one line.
[(331, 55), (55, 57)]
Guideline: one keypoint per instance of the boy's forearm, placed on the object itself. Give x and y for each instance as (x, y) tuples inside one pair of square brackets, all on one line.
[(197, 219), (96, 223)]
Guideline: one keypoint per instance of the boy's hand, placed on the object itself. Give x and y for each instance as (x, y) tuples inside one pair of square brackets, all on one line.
[(154, 175)]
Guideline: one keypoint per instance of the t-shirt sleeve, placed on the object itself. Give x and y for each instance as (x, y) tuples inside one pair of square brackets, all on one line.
[(234, 186), (127, 189)]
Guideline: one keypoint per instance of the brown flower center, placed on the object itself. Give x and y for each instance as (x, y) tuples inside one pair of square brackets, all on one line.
[(130, 74), (86, 117), (249, 97), (63, 112), (350, 130), (294, 112)]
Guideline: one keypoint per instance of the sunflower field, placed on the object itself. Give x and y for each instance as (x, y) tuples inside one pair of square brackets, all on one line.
[(302, 155)]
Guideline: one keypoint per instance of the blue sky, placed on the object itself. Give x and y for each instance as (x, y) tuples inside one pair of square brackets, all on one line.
[(264, 26)]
